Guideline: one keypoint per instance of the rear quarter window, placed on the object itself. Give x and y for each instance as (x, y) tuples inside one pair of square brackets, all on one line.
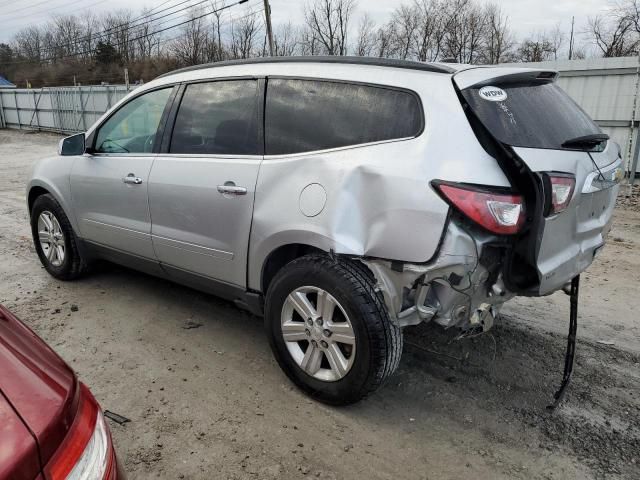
[(532, 115), (309, 115)]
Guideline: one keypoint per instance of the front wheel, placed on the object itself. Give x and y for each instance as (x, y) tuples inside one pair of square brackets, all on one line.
[(329, 329), (54, 239)]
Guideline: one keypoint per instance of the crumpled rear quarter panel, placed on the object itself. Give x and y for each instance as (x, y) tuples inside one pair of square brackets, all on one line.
[(379, 202)]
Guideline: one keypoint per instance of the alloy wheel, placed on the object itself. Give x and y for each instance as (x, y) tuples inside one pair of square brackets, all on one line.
[(318, 333), (51, 238)]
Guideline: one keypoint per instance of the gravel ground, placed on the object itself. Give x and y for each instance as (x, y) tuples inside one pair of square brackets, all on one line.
[(206, 400)]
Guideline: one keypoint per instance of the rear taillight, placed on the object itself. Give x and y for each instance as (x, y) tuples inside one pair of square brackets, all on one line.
[(562, 187), (86, 452), (500, 213)]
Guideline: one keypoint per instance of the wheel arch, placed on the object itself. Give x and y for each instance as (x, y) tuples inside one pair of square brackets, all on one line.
[(35, 192), (281, 256), (37, 188)]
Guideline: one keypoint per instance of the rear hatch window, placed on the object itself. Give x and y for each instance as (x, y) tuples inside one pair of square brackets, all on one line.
[(530, 115)]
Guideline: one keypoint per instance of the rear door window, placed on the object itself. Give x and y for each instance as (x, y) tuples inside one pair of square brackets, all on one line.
[(530, 115), (219, 118), (309, 115)]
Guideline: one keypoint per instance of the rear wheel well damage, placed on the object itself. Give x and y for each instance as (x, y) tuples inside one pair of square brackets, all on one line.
[(34, 193), (280, 257)]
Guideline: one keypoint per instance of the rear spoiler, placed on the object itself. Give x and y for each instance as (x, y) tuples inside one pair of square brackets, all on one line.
[(484, 76)]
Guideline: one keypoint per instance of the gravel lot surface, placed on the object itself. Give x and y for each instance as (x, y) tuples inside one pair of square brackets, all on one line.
[(206, 400)]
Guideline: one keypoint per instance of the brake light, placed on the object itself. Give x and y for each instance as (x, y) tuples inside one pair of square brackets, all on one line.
[(497, 212), (562, 187), (86, 453)]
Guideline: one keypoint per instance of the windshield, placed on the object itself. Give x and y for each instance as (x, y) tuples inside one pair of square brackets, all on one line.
[(530, 115)]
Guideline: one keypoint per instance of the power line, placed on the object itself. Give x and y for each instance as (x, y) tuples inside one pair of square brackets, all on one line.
[(147, 14), (137, 38), (114, 29), (50, 10), (25, 8), (111, 76), (131, 27)]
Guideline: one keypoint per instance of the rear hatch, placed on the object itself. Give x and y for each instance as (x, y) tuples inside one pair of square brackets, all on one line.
[(37, 383), (542, 135)]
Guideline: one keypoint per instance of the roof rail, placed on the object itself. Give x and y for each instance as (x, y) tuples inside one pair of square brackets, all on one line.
[(371, 61)]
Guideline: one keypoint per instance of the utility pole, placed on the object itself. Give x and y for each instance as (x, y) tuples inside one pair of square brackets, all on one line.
[(267, 14), (126, 78), (573, 19)]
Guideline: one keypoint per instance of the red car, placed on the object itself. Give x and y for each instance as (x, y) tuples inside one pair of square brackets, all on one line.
[(51, 427)]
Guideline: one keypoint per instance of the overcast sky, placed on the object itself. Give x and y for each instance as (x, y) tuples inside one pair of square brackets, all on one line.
[(527, 16)]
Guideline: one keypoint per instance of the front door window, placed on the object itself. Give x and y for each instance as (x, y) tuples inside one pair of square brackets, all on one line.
[(132, 129)]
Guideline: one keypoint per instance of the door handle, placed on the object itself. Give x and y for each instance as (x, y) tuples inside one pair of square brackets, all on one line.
[(132, 179), (231, 189)]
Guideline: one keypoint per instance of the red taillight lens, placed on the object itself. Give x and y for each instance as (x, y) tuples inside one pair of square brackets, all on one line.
[(562, 187), (86, 452), (497, 212)]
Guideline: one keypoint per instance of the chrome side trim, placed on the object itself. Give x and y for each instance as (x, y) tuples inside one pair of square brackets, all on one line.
[(108, 226), (192, 248)]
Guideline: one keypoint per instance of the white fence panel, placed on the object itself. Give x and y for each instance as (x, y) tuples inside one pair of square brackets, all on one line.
[(57, 109)]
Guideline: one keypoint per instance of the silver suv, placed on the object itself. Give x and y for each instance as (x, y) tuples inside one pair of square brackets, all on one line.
[(342, 199)]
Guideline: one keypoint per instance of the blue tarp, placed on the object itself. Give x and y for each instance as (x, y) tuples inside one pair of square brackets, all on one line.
[(4, 83)]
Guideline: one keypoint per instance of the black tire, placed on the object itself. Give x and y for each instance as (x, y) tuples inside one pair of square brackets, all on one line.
[(73, 265), (378, 341)]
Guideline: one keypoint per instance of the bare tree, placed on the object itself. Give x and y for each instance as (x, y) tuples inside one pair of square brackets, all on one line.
[(384, 39), (403, 27), (308, 42), (90, 35), (328, 22), (217, 49), (499, 42), (29, 43), (118, 26), (556, 37), (535, 49), (147, 40), (190, 47), (614, 36), (244, 34), (366, 36), (466, 32), (284, 40), (627, 10), (67, 30)]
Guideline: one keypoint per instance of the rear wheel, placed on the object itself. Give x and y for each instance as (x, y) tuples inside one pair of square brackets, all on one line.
[(54, 239), (329, 329)]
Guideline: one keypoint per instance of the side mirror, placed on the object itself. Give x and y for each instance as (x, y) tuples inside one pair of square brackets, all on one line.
[(73, 145)]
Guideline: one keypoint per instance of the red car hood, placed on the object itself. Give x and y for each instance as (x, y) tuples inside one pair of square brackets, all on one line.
[(38, 394)]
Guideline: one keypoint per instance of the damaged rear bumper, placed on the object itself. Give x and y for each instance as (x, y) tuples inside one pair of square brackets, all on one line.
[(461, 287)]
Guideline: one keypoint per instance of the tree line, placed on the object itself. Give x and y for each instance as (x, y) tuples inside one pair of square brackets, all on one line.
[(92, 49)]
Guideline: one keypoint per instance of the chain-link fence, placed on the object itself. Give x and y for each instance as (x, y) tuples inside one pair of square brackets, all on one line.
[(57, 109)]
